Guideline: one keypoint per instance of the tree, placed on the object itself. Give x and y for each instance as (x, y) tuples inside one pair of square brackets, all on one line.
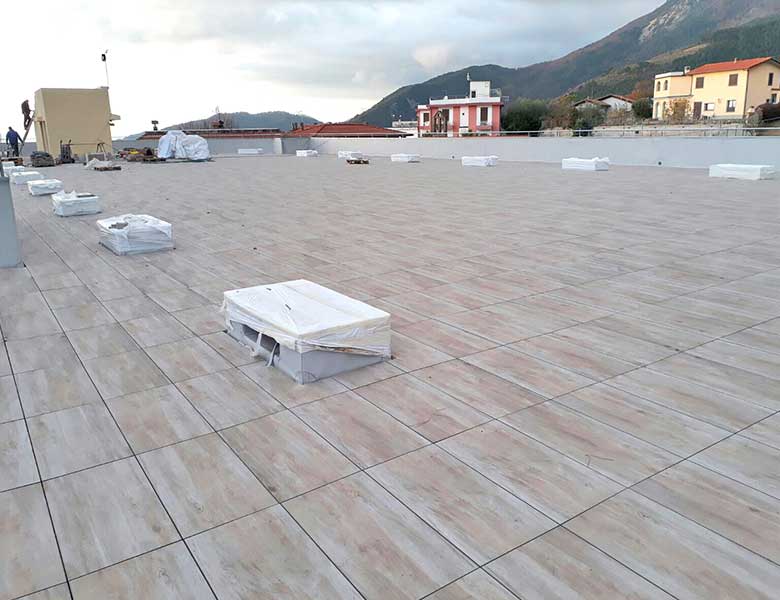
[(642, 89), (588, 117), (561, 113), (524, 115), (643, 108), (678, 111)]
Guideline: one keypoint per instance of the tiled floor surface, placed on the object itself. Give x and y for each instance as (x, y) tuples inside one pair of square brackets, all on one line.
[(582, 403)]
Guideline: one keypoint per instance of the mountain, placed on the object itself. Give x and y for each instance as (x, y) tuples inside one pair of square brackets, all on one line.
[(675, 25), (277, 119), (759, 38)]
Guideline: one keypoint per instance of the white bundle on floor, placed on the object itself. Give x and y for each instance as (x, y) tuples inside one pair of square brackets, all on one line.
[(250, 150), (20, 177), (479, 161), (350, 154), (305, 316), (71, 204), (12, 168), (195, 148), (95, 163), (405, 158), (306, 153), (750, 172), (585, 164), (134, 234), (6, 164), (44, 187)]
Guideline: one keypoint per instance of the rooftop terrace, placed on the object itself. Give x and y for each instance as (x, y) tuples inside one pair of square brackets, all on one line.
[(582, 401)]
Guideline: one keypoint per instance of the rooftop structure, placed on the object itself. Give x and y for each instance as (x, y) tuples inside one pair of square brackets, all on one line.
[(724, 90), (477, 113), (331, 130), (584, 380), (221, 133), (609, 102)]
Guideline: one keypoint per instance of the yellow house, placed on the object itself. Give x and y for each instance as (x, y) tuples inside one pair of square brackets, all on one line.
[(726, 90), (81, 116)]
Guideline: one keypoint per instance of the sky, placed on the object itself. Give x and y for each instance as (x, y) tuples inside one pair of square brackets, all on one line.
[(177, 60)]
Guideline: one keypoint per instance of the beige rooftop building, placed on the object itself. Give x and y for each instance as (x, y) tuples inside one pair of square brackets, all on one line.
[(81, 116)]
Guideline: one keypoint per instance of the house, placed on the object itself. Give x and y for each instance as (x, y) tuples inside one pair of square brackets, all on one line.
[(331, 130), (724, 90), (477, 113), (608, 103), (80, 116)]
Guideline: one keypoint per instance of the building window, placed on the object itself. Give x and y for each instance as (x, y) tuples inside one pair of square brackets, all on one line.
[(483, 115), (446, 113), (658, 86), (733, 79), (774, 98), (709, 106), (663, 112), (771, 79), (699, 83), (426, 118), (473, 93), (731, 106), (666, 85)]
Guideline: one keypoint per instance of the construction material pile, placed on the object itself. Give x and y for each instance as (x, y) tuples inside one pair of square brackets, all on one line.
[(44, 187), (585, 164), (749, 172), (306, 153), (347, 154), (21, 177), (479, 161), (405, 158), (177, 144), (135, 234), (71, 204)]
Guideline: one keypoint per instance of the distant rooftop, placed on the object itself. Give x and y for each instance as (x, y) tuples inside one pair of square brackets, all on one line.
[(731, 65), (344, 130)]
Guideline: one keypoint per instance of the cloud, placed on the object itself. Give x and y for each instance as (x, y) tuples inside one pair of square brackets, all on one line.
[(433, 57)]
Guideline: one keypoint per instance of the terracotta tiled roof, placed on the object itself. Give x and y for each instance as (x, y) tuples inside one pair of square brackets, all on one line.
[(618, 96), (593, 101), (731, 65), (344, 130)]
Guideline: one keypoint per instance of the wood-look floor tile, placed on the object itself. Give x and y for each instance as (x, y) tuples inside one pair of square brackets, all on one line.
[(30, 560), (683, 558), (48, 390), (409, 354), (237, 562), (450, 497), (17, 464), (367, 375), (384, 548), (446, 338), (103, 340), (749, 462), (767, 431), (186, 359), (547, 480), (10, 408), (83, 316), (106, 514), (154, 330), (474, 586), (230, 348), (165, 574), (203, 484), (744, 515), (560, 565), (540, 377), (609, 451), (122, 374), (424, 408), (361, 431), (286, 455), (45, 352), (286, 390), (735, 355), (23, 325)]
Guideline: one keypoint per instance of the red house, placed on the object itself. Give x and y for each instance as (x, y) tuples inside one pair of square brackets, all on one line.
[(477, 114)]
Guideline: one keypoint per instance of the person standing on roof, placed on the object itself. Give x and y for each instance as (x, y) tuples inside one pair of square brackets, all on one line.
[(12, 139), (26, 112)]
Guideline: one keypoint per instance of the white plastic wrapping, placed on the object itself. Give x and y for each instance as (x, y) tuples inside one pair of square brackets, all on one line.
[(12, 168), (95, 163), (350, 154), (405, 158), (20, 177), (306, 153), (43, 187), (250, 150), (134, 234), (170, 144), (479, 161), (195, 148), (305, 316), (71, 204), (751, 172), (585, 164)]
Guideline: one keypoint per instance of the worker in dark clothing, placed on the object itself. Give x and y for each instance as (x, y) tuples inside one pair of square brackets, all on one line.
[(12, 139), (26, 113)]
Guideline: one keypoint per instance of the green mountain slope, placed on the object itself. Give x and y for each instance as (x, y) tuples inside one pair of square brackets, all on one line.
[(674, 25), (277, 119)]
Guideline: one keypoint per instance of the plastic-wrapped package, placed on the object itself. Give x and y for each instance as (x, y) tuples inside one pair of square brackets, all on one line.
[(350, 154), (20, 177), (169, 145), (135, 234), (71, 204), (195, 148), (750, 172), (585, 164), (9, 167), (479, 161), (96, 163), (44, 187), (306, 153), (405, 158), (307, 330), (250, 150)]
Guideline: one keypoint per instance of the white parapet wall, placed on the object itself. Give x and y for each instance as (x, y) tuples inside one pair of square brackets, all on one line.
[(695, 152)]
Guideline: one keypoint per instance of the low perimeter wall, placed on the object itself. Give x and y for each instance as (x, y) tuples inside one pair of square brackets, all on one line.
[(694, 152)]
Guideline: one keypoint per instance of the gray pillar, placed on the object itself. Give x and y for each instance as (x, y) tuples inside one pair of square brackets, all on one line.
[(9, 243)]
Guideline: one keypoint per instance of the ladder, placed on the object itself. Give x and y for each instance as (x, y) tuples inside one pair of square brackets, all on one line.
[(26, 132)]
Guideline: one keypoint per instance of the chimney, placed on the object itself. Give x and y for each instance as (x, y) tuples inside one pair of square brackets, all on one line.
[(686, 70)]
